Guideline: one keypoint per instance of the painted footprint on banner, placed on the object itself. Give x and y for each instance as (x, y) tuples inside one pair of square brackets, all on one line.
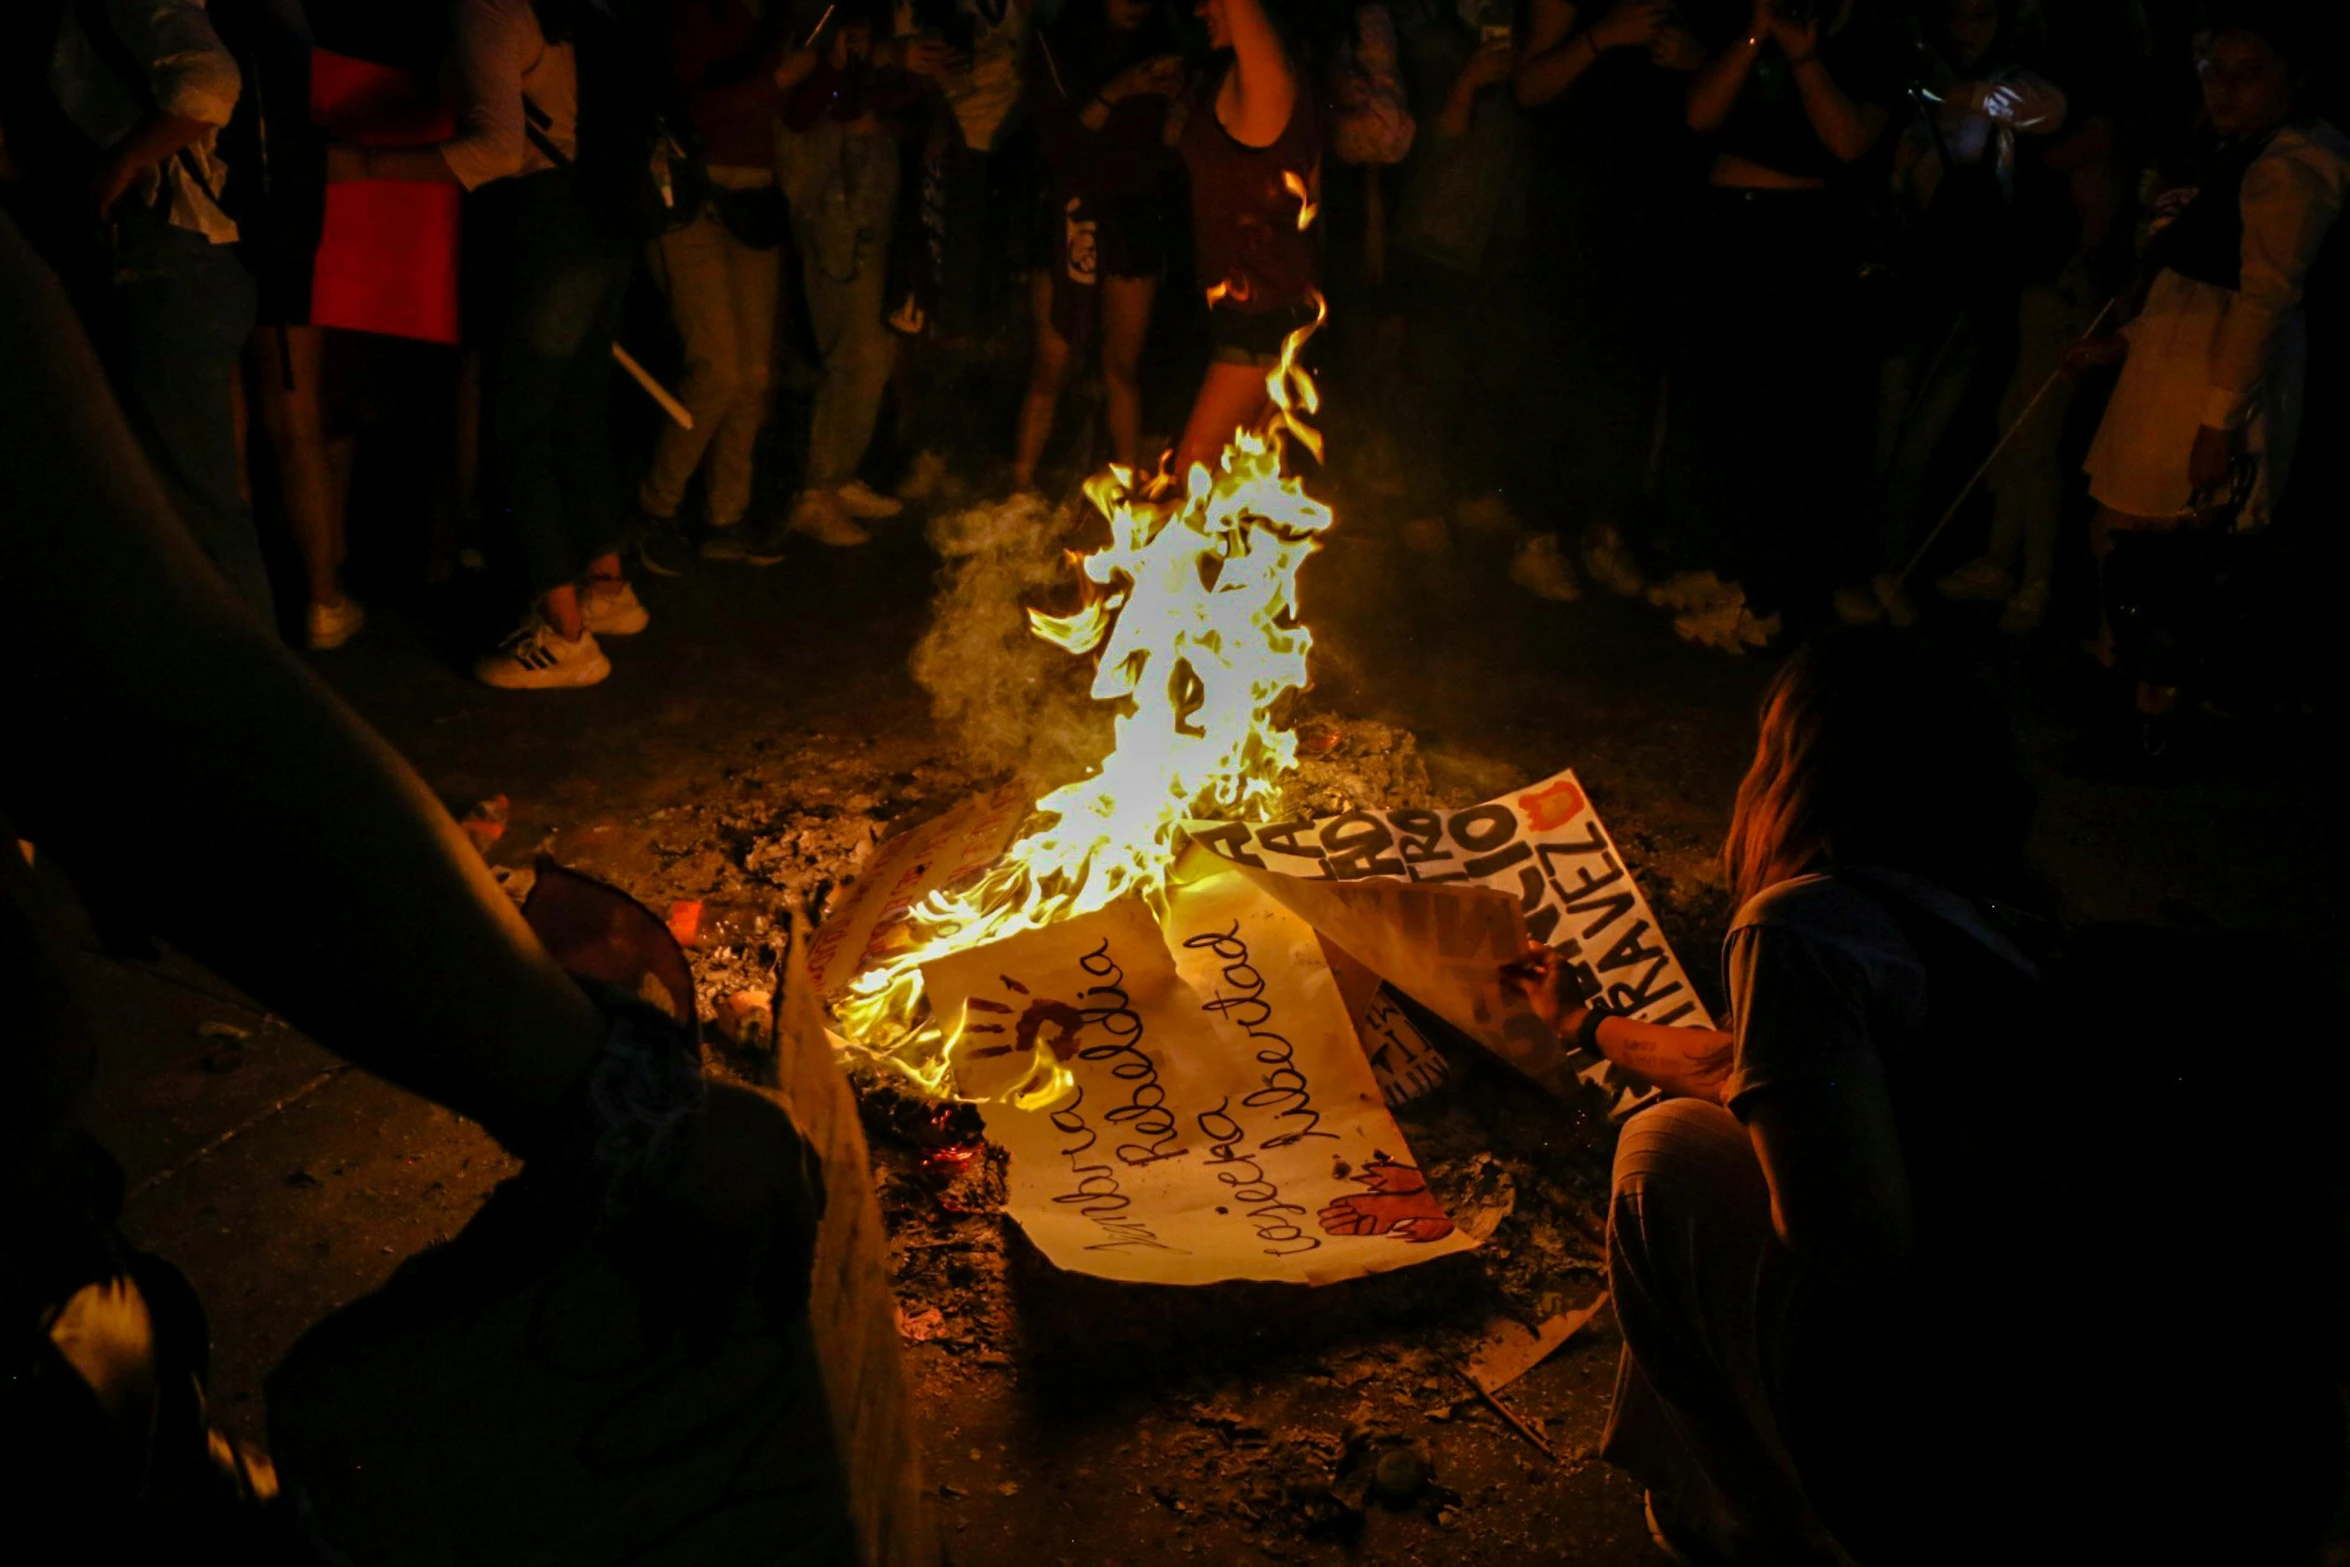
[(1398, 1205)]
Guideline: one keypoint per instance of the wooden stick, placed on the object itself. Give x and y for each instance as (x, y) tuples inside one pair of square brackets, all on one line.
[(653, 389), (1506, 1413), (819, 27)]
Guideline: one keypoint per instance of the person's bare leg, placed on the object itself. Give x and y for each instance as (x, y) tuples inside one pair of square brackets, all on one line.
[(1048, 373), (560, 606), (1126, 321), (1231, 398), (306, 478)]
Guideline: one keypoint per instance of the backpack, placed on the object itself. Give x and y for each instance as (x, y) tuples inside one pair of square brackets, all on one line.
[(639, 164)]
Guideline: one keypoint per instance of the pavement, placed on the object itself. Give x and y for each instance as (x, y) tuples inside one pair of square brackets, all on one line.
[(287, 1184)]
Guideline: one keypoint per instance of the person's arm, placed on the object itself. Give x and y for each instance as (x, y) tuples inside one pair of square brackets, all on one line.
[(2288, 211), (491, 40), (1557, 54), (1686, 1062), (1488, 65), (1839, 1187), (185, 765), (1264, 85), (191, 76), (1847, 129), (1713, 91)]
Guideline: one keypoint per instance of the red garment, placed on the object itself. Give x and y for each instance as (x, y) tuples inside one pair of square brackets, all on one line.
[(387, 256), (728, 79), (1244, 212)]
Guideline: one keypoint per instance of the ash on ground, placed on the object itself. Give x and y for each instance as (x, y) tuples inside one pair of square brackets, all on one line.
[(1269, 1410)]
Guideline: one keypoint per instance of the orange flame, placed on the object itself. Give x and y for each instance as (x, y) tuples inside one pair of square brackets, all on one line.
[(1193, 623), (1307, 208)]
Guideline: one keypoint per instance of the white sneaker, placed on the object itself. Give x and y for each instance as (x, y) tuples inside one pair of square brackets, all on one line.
[(1980, 581), (1694, 590), (332, 625), (1608, 563), (1716, 626), (1857, 605), (610, 606), (1540, 567), (821, 516), (537, 658), (861, 501)]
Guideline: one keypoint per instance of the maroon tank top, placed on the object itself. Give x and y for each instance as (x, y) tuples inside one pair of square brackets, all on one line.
[(1243, 212)]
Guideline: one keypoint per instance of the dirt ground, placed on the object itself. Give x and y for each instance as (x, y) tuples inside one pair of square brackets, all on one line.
[(753, 742)]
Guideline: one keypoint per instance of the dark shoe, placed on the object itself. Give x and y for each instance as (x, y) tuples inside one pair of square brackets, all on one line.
[(750, 544), (658, 545)]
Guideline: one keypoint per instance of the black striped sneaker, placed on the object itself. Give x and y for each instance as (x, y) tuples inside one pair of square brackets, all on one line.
[(538, 658)]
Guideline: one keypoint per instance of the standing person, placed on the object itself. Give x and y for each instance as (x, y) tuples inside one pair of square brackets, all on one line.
[(839, 170), (1954, 180), (280, 159), (1767, 420), (1252, 143), (1459, 247), (986, 43), (555, 265), (2204, 422), (723, 271), (151, 85), (1098, 96), (2069, 194), (1613, 166)]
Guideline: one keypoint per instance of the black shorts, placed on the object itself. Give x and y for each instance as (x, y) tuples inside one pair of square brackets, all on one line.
[(1253, 337)]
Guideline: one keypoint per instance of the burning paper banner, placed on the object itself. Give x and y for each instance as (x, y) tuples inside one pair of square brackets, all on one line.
[(1220, 1120), (1545, 846)]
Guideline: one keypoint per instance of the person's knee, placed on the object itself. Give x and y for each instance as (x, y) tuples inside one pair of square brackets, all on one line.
[(1679, 1145), (1122, 367)]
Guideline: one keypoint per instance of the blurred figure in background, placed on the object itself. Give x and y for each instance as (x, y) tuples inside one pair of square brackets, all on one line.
[(839, 171), (555, 263), (1251, 140), (723, 270), (1098, 93), (2199, 438), (151, 85), (1768, 415), (1614, 164), (2072, 254), (1954, 178)]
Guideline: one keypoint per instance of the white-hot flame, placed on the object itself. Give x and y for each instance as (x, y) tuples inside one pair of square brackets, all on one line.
[(1194, 619)]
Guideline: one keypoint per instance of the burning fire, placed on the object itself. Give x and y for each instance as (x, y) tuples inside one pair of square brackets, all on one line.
[(1195, 624)]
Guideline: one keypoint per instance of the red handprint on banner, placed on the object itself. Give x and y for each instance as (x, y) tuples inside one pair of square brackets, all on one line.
[(1398, 1205)]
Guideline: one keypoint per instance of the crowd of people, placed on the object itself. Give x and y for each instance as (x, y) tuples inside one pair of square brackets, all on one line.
[(1771, 310)]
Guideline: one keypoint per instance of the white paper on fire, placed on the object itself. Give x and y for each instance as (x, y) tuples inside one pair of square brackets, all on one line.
[(859, 929), (1223, 1122), (1545, 846)]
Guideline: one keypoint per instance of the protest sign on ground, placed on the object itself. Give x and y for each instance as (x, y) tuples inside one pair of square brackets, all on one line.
[(1221, 1122)]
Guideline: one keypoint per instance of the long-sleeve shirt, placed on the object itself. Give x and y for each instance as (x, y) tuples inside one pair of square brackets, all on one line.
[(498, 57), (2293, 194), (186, 71)]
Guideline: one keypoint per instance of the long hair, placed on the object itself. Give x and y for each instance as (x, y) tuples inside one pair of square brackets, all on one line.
[(1878, 750)]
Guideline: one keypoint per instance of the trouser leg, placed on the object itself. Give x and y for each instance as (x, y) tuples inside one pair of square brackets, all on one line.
[(187, 308), (753, 281), (1708, 1300), (692, 265), (856, 348), (2027, 482)]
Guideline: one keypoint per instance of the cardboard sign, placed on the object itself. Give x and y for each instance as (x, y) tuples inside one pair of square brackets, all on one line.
[(1221, 1121), (906, 869), (1545, 847)]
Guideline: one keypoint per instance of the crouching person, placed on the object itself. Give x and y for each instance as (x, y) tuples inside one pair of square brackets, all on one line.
[(1891, 1266)]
